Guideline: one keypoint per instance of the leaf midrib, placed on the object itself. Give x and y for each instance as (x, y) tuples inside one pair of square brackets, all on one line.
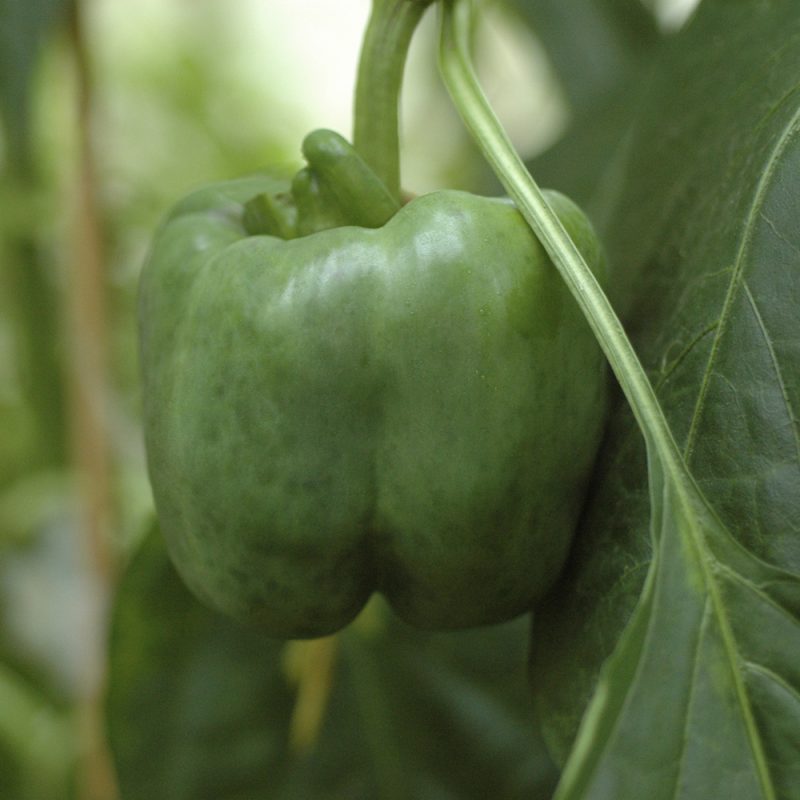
[(705, 559), (690, 699)]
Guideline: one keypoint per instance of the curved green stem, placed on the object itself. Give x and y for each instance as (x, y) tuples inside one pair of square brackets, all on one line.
[(458, 75), (359, 194), (380, 78), (669, 476)]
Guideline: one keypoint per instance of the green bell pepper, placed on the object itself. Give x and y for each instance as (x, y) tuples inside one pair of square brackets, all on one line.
[(343, 397)]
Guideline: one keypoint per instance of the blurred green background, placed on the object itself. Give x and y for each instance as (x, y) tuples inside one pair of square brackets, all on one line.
[(111, 111)]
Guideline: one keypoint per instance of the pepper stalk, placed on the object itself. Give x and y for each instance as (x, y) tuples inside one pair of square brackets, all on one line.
[(380, 77)]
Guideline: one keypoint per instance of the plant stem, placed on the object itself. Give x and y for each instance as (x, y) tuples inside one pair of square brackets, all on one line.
[(691, 517), (312, 665), (89, 385), (380, 77), (458, 74)]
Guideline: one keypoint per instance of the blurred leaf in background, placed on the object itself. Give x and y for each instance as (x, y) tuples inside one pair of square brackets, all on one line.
[(36, 754), (24, 25), (601, 51), (31, 402), (36, 745), (200, 707)]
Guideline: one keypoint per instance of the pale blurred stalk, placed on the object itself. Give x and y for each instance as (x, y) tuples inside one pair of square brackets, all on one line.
[(89, 387)]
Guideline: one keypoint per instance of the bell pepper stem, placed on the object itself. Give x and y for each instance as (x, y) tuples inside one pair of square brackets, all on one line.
[(459, 76), (380, 77), (358, 193)]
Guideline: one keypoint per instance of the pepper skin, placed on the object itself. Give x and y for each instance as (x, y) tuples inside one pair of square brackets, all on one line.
[(412, 409)]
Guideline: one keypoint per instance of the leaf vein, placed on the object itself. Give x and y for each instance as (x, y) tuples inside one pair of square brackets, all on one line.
[(778, 235), (793, 422), (736, 577), (773, 676), (748, 231), (668, 369), (707, 613), (706, 563)]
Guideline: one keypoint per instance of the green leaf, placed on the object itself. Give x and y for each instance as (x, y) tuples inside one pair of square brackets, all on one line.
[(23, 274), (585, 163), (600, 50), (595, 45), (715, 630), (701, 696), (36, 743), (23, 25), (30, 301), (202, 708)]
